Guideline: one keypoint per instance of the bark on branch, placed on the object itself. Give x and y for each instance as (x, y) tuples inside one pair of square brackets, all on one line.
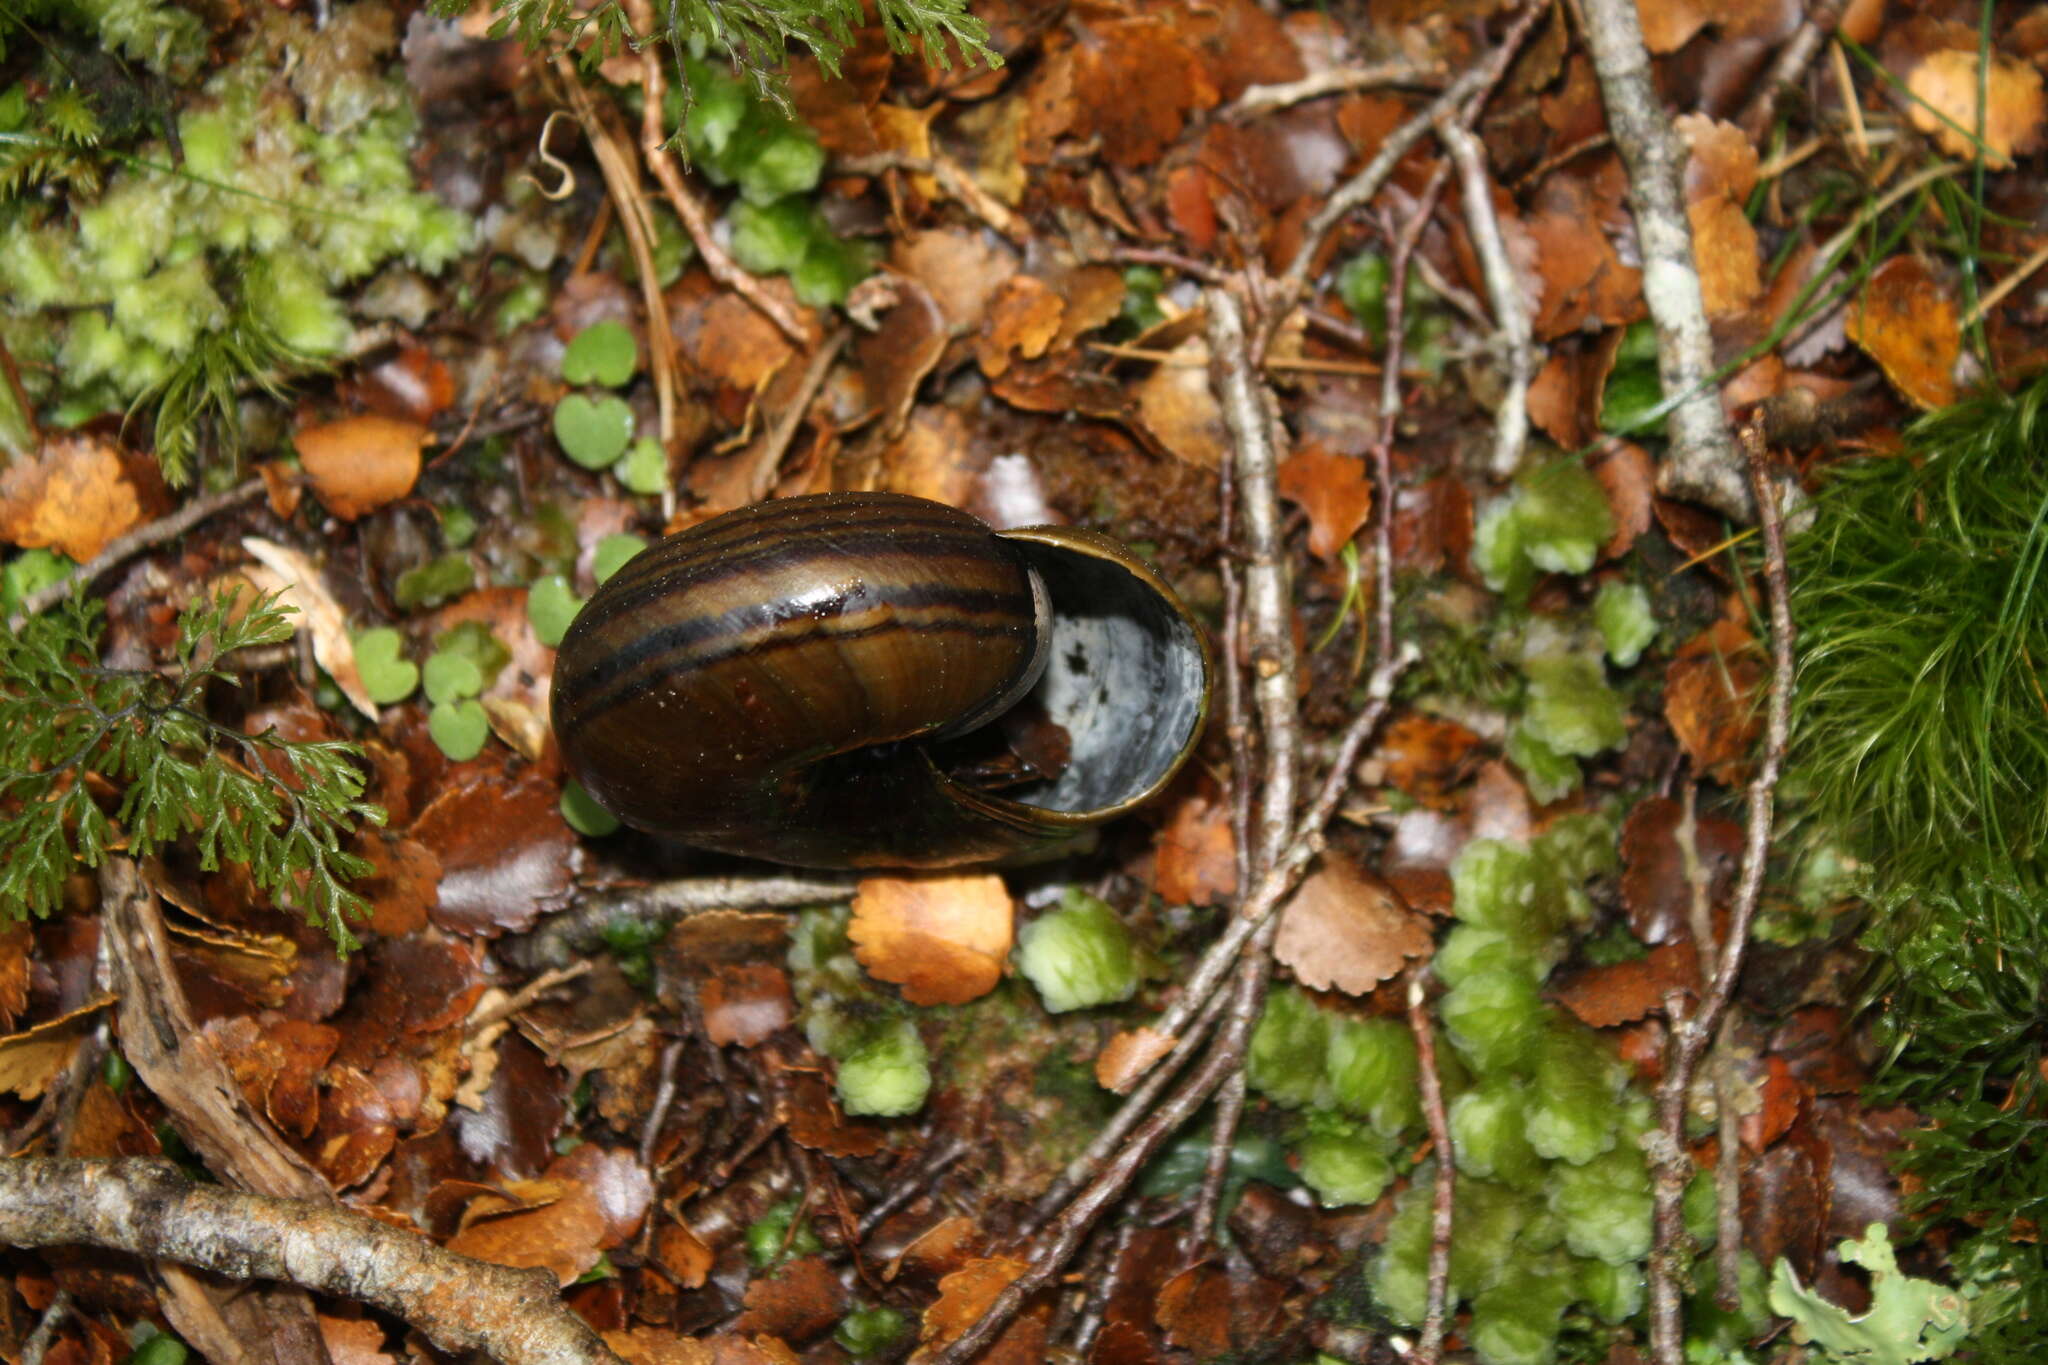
[(150, 1209), (1702, 464)]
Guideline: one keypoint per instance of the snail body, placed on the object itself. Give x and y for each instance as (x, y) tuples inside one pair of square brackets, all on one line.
[(785, 681)]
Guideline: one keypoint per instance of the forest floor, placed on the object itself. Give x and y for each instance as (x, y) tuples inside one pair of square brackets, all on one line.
[(1463, 367)]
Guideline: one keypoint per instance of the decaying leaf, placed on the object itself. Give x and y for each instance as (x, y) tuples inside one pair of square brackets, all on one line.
[(1346, 930), (285, 570), (1711, 691), (1335, 491), (31, 1059)]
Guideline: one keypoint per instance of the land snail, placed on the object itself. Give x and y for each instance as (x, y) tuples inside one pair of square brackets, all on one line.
[(828, 682)]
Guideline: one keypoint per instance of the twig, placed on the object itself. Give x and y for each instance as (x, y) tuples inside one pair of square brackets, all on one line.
[(1793, 58), (1728, 1124), (1996, 295), (696, 222), (1443, 1199), (1260, 99), (1702, 464), (38, 1344), (1510, 309), (557, 940), (1404, 244), (524, 996), (148, 1208), (766, 459), (1222, 1141), (1065, 1235), (134, 543), (952, 178), (1691, 1033), (636, 220), (1472, 84)]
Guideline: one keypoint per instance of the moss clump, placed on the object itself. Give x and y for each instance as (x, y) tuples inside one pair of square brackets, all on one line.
[(187, 281)]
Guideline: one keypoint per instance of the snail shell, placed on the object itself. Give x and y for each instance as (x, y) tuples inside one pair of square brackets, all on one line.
[(782, 681)]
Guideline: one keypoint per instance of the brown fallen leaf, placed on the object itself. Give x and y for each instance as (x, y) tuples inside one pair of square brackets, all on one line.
[(1023, 318), (1346, 929), (1906, 318), (798, 1304), (31, 1059), (966, 1294), (561, 1235), (359, 464), (1176, 405), (745, 1002), (942, 939), (1623, 992), (1334, 490)]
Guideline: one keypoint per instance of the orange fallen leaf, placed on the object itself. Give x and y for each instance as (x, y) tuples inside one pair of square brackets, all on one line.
[(1179, 408), (1907, 320), (966, 1294), (72, 495), (1623, 992), (1945, 86), (1725, 245), (30, 1060), (360, 464), (1195, 856), (1334, 490), (1023, 319), (1194, 1311), (800, 1302), (942, 939), (1129, 1056), (1346, 929), (561, 1236)]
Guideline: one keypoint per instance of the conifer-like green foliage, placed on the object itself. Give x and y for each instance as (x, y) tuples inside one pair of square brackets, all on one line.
[(754, 35), (96, 758)]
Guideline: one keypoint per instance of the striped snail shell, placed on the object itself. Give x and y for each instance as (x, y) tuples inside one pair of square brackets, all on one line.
[(788, 681)]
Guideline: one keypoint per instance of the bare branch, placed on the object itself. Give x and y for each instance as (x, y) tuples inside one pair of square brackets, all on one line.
[(149, 1209)]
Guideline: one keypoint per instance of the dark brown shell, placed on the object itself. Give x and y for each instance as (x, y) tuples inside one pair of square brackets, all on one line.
[(766, 683)]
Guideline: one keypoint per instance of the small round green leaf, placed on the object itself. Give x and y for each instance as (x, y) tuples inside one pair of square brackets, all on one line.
[(644, 467), (160, 1349), (451, 677), (387, 677), (602, 353), (593, 432), (551, 606), (459, 728), (583, 813), (613, 552)]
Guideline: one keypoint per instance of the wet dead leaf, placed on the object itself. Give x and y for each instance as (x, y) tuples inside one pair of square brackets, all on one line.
[(801, 1302), (942, 939), (360, 464), (1346, 930), (1945, 86), (561, 1235), (1711, 694), (812, 1115), (1654, 886), (1427, 756), (1906, 318), (745, 1002), (1725, 245), (1194, 1311), (1335, 491), (1623, 992), (72, 495), (1629, 478), (966, 1294)]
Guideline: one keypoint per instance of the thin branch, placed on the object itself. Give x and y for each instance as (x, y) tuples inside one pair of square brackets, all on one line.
[(134, 543), (559, 939), (1510, 309), (952, 178), (1792, 60), (1261, 99), (1443, 1198), (149, 1208), (696, 221), (1404, 245), (1692, 1032), (1702, 464)]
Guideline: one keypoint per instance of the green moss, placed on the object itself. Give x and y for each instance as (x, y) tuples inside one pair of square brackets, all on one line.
[(179, 284)]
